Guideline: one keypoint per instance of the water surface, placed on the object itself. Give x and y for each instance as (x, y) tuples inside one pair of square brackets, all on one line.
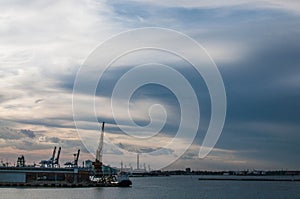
[(166, 187)]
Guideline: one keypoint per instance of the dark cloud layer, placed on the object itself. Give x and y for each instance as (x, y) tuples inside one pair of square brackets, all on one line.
[(261, 78), (143, 149)]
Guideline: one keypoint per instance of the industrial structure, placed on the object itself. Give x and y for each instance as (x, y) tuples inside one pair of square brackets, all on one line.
[(75, 161), (51, 163), (49, 173), (99, 175), (98, 161)]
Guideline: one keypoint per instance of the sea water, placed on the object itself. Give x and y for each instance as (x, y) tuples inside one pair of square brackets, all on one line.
[(166, 187)]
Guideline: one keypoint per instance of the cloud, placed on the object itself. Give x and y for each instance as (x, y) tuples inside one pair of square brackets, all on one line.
[(39, 101), (143, 149), (14, 134), (291, 6), (28, 133), (41, 43), (255, 45)]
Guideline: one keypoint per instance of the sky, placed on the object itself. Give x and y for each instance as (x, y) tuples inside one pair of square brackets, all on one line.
[(254, 44)]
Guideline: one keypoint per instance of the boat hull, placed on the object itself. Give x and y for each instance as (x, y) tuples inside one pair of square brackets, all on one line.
[(124, 183)]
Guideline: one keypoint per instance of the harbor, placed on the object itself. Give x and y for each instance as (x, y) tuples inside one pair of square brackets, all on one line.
[(49, 173)]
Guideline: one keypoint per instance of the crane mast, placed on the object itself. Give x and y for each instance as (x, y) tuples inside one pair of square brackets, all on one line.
[(98, 162), (99, 151)]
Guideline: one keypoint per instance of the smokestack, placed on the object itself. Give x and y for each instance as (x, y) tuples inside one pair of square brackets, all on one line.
[(102, 129), (138, 161)]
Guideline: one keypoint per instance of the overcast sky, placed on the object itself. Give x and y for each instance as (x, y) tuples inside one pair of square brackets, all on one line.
[(255, 45)]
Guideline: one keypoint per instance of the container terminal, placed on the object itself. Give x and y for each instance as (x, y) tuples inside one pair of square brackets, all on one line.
[(50, 174)]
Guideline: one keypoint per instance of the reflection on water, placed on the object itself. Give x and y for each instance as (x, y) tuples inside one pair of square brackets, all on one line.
[(167, 187)]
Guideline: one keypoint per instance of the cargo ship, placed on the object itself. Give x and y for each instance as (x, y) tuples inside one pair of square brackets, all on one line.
[(50, 174)]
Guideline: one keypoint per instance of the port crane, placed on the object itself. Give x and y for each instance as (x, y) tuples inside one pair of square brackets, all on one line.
[(56, 161), (98, 161), (52, 162), (75, 162)]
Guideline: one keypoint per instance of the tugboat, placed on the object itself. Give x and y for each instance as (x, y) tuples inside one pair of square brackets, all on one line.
[(122, 180)]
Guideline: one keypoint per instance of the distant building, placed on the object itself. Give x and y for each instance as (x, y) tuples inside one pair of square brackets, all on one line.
[(88, 163), (109, 170)]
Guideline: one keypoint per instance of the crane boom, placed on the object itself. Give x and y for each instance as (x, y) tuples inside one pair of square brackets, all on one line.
[(76, 158), (53, 155), (98, 162), (56, 161), (100, 146)]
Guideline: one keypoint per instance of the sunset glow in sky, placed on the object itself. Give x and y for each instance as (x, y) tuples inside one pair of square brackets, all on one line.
[(255, 45)]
